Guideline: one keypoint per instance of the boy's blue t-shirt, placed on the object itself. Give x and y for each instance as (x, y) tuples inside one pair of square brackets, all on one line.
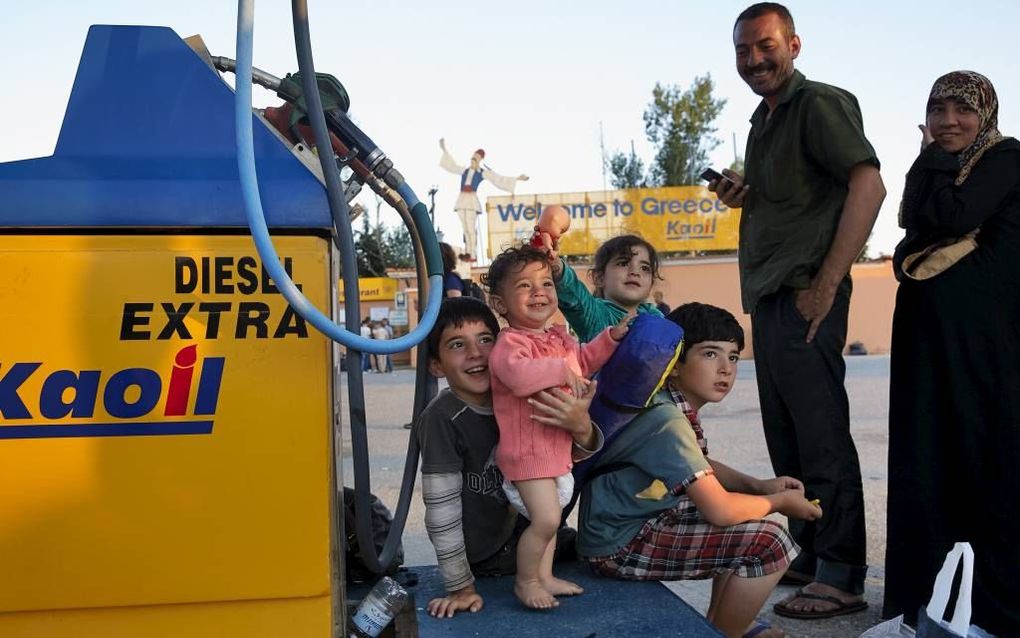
[(661, 455), (587, 314)]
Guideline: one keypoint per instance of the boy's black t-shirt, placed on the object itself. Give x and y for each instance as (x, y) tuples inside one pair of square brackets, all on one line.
[(456, 437)]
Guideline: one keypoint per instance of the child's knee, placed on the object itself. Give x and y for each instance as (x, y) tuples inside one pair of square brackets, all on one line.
[(545, 523)]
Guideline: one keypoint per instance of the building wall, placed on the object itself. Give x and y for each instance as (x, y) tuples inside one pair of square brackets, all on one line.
[(717, 282)]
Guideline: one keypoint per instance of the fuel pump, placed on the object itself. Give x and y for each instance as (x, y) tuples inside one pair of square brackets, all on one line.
[(169, 399)]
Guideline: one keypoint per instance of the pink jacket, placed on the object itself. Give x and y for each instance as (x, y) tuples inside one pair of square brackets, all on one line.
[(523, 363)]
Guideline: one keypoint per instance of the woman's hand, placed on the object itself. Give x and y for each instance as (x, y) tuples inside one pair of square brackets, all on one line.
[(926, 136)]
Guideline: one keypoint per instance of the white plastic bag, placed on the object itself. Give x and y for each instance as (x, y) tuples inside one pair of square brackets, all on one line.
[(929, 619), (892, 628)]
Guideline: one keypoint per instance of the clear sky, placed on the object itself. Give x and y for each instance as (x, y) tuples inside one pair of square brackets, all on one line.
[(531, 81)]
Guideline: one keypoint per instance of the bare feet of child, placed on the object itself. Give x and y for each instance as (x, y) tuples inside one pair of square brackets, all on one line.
[(533, 595), (560, 587)]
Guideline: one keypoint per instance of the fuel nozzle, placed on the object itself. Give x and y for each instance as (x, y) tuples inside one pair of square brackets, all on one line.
[(335, 103)]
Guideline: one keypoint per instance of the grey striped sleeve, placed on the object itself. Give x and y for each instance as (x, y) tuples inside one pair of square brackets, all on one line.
[(443, 522)]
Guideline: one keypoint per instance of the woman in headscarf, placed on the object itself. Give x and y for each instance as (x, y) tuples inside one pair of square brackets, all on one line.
[(954, 412)]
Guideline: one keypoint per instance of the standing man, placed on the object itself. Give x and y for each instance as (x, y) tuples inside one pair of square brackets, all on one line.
[(810, 196)]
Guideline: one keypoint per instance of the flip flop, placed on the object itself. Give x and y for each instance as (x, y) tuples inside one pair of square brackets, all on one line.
[(842, 608), (759, 626)]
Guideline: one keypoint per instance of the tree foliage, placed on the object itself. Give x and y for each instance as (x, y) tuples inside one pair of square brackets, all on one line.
[(679, 124), (368, 242), (398, 250), (379, 248), (628, 170)]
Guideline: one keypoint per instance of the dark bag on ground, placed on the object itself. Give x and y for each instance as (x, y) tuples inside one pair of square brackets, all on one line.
[(356, 569)]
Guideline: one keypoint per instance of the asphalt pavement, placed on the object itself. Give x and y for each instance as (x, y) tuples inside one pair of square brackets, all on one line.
[(734, 433)]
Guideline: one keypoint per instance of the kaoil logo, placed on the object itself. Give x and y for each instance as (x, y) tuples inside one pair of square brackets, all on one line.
[(131, 396)]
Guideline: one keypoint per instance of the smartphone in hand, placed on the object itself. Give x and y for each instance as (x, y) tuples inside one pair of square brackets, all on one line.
[(712, 175)]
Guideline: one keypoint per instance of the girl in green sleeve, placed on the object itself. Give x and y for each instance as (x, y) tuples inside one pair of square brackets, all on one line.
[(625, 268)]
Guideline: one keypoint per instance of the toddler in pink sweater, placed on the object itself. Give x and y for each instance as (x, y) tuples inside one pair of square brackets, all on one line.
[(535, 458)]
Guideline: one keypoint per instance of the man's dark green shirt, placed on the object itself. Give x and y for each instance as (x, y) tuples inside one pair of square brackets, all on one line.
[(797, 166)]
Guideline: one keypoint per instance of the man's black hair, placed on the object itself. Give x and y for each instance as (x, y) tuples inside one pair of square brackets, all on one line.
[(456, 311), (760, 9), (511, 260), (702, 322)]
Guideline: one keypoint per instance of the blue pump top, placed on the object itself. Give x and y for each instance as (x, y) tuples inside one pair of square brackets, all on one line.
[(148, 142)]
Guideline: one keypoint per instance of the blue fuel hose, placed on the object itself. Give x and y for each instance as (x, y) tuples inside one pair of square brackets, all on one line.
[(255, 215)]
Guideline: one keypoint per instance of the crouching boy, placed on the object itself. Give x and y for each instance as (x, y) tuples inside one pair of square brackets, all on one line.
[(467, 517), (658, 508)]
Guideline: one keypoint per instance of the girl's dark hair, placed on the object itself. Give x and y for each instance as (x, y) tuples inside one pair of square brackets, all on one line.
[(622, 246), (511, 260), (702, 322), (449, 257), (456, 311)]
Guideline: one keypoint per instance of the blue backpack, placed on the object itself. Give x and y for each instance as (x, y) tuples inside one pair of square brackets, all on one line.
[(629, 381)]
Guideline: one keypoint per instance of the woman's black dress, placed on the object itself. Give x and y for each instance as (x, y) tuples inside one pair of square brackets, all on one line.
[(954, 412)]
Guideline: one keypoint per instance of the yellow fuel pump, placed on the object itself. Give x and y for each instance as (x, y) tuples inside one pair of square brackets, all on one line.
[(169, 417)]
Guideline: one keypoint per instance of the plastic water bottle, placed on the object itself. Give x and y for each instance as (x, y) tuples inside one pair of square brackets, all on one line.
[(378, 608)]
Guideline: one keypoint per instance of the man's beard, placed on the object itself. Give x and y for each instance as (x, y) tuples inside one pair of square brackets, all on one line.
[(775, 81)]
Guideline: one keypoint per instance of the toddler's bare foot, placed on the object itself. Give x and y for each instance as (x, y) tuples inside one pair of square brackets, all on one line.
[(533, 595), (560, 587)]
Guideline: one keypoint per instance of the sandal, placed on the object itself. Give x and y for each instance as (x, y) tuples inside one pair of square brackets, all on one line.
[(841, 607)]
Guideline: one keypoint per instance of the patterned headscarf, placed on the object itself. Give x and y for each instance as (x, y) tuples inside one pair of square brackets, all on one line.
[(974, 90)]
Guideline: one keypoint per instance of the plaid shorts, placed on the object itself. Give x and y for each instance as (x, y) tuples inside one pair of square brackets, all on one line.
[(681, 545)]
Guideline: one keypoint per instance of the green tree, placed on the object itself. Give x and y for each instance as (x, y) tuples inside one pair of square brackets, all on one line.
[(679, 124), (369, 246), (398, 251), (628, 170)]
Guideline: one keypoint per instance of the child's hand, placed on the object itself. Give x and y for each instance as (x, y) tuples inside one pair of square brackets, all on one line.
[(795, 505), (463, 599), (618, 331), (779, 484), (576, 383), (551, 247)]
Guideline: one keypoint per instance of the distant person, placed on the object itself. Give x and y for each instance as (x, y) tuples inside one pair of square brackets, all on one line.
[(954, 407), (366, 333), (660, 303), (473, 530), (529, 357), (468, 207), (810, 195), (385, 322), (656, 507), (379, 333), (453, 285)]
